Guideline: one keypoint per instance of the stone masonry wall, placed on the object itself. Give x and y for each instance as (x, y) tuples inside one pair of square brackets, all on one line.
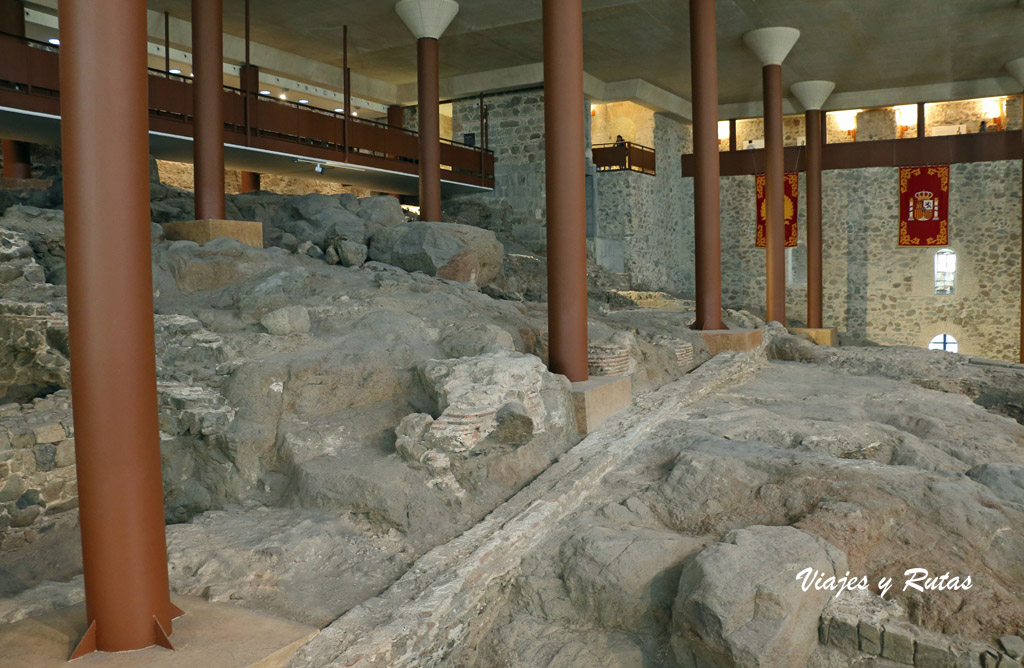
[(876, 291), (649, 219), (753, 128), (37, 467), (970, 113), (180, 175), (516, 135)]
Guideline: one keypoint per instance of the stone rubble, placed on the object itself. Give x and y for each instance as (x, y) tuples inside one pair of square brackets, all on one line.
[(358, 431)]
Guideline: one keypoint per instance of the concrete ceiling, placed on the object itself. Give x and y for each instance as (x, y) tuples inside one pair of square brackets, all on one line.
[(862, 45)]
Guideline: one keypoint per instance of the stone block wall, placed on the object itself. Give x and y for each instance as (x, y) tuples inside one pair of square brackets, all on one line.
[(862, 637), (516, 135), (648, 220), (877, 124), (753, 128), (37, 467), (743, 263), (877, 291), (180, 175), (970, 113)]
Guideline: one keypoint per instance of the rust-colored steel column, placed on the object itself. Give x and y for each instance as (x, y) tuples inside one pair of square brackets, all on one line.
[(396, 116), (12, 17), (772, 45), (104, 91), (812, 119), (922, 123), (564, 146), (429, 128), (707, 205), (249, 182), (17, 154), (17, 159), (774, 173), (208, 110)]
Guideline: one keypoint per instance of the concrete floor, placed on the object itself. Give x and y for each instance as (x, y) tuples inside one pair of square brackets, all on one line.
[(211, 635)]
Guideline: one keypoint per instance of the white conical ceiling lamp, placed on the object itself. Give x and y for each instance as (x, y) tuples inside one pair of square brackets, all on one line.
[(812, 94), (1016, 68), (427, 18), (771, 45)]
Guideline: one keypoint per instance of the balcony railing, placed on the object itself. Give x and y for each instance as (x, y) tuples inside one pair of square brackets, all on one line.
[(30, 80), (624, 156)]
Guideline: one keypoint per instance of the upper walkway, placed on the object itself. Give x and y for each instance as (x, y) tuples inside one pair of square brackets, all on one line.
[(261, 133)]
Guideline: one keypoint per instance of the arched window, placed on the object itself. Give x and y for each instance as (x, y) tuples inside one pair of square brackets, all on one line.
[(944, 342), (945, 272)]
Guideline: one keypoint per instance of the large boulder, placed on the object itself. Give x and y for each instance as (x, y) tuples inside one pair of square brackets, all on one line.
[(287, 320), (626, 580), (446, 250), (381, 211), (740, 604)]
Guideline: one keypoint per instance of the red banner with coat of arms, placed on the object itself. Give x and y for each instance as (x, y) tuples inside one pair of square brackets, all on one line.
[(924, 206), (791, 189)]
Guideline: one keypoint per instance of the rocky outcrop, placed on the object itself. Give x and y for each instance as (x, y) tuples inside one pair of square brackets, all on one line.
[(739, 604), (446, 250)]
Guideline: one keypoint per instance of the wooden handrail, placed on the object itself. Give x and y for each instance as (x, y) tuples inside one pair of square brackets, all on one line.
[(624, 156), (947, 149), (29, 79)]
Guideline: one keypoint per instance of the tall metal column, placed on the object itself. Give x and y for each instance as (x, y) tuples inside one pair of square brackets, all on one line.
[(17, 154), (774, 175), (1016, 68), (395, 116), (12, 17), (812, 95), (427, 20), (707, 204), (17, 159), (104, 92), (427, 56), (249, 182), (772, 45), (208, 104), (566, 197), (812, 119)]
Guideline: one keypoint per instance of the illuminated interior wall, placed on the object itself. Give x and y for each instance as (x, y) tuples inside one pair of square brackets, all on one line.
[(748, 129), (634, 122)]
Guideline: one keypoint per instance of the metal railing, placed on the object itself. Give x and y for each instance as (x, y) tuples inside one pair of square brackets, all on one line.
[(622, 156), (30, 80)]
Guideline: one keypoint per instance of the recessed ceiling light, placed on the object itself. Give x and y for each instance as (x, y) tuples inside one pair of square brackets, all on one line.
[(174, 70), (264, 92), (283, 96), (303, 101), (191, 74), (54, 41), (339, 110), (355, 113)]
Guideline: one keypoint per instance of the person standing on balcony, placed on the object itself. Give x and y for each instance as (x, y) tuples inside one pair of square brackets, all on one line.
[(624, 157)]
